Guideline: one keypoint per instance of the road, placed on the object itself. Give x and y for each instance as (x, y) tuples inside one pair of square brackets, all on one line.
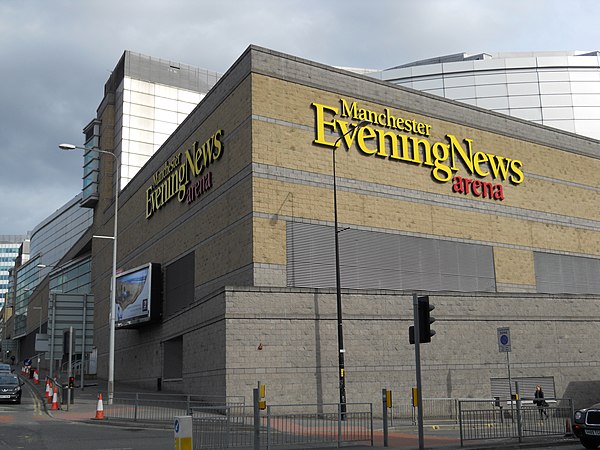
[(27, 426)]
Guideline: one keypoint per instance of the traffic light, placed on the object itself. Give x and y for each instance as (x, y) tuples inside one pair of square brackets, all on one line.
[(425, 321), (71, 382)]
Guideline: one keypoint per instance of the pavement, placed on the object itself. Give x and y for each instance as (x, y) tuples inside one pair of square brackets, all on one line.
[(85, 401), (441, 435)]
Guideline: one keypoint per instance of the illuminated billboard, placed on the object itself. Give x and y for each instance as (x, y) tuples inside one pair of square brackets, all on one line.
[(138, 296)]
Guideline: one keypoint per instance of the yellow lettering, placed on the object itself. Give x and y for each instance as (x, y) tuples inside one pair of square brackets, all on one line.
[(218, 146), (455, 146), (347, 111), (321, 124), (499, 166), (441, 172), (479, 158), (517, 176), (381, 140), (149, 203), (182, 182), (365, 133)]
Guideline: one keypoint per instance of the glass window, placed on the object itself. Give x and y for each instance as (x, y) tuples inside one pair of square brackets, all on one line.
[(141, 123), (166, 128), (189, 96), (184, 107), (141, 86), (141, 99), (142, 111), (141, 135), (165, 103), (168, 92), (166, 116)]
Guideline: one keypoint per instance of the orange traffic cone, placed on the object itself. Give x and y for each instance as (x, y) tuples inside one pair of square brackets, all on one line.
[(99, 408), (47, 388), (50, 392), (568, 430), (54, 400), (36, 377)]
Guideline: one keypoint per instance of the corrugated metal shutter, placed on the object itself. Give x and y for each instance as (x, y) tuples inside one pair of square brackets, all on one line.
[(376, 260), (564, 274), (500, 387)]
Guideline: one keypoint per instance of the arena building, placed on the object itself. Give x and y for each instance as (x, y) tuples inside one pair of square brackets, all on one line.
[(558, 89), (227, 255)]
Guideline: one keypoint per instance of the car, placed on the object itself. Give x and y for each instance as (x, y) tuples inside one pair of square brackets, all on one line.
[(586, 426), (10, 388), (5, 368)]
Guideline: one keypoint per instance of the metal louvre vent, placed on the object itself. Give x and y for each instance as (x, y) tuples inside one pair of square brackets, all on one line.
[(564, 274), (376, 260), (501, 388)]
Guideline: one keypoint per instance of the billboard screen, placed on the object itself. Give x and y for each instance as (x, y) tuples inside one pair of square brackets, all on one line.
[(138, 296)]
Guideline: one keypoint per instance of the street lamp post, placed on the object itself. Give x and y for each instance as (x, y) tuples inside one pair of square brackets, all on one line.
[(338, 282), (39, 333), (113, 287)]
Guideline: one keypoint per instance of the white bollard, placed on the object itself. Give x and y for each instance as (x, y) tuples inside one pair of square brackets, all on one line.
[(183, 433)]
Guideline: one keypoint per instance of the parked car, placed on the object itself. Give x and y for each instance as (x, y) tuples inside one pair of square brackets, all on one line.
[(586, 426), (10, 388)]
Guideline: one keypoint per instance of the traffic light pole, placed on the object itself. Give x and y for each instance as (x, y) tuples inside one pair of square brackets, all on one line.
[(417, 333)]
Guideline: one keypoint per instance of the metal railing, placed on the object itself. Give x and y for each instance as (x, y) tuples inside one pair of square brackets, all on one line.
[(223, 426), (278, 427), (492, 419), (403, 410), (160, 408)]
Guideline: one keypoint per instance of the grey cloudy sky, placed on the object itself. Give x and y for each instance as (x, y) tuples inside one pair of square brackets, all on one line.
[(56, 55)]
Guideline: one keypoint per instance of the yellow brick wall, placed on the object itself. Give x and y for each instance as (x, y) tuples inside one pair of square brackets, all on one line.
[(514, 266), (555, 183)]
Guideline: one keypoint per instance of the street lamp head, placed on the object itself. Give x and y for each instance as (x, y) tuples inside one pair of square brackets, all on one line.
[(360, 124), (67, 146)]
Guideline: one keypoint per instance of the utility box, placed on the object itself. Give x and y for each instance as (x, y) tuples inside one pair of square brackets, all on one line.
[(183, 433)]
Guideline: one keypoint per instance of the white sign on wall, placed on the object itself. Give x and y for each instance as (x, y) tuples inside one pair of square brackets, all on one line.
[(504, 340)]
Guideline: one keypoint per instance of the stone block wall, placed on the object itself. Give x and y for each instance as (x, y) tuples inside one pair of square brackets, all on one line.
[(287, 339)]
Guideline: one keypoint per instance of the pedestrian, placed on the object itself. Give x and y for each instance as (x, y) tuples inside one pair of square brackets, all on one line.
[(540, 402)]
